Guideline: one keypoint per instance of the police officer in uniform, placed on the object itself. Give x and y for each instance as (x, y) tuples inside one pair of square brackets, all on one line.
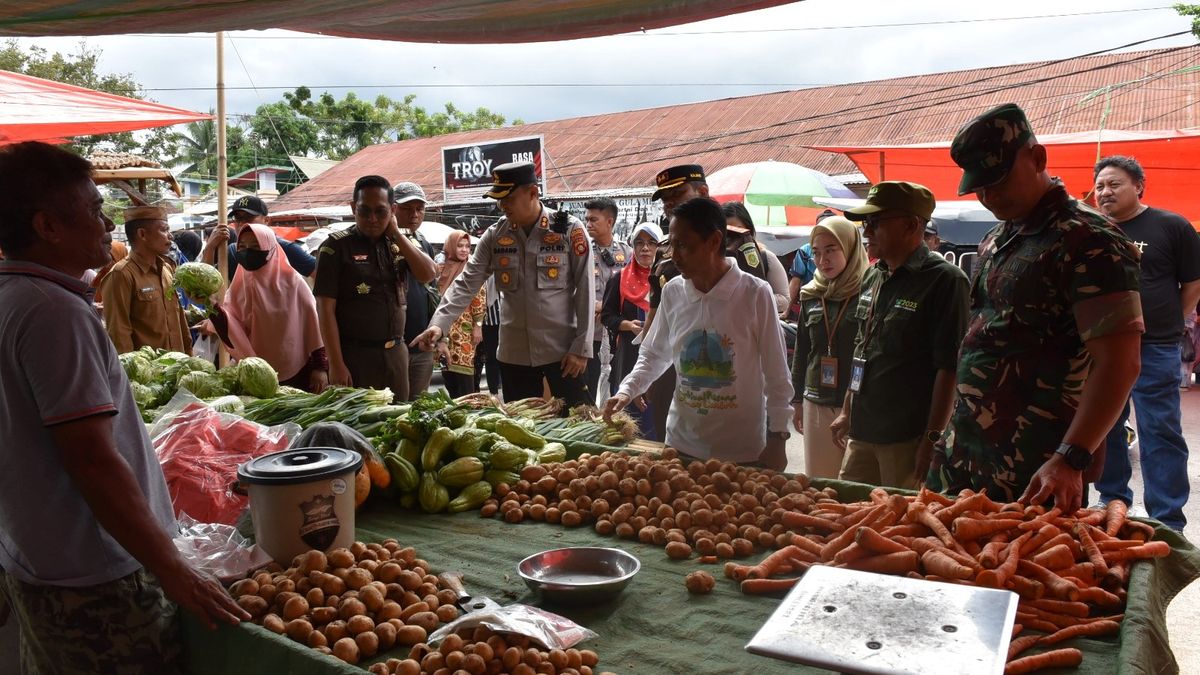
[(610, 256), (541, 263), (361, 277)]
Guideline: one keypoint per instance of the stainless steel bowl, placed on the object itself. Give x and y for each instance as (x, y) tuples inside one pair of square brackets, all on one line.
[(579, 574)]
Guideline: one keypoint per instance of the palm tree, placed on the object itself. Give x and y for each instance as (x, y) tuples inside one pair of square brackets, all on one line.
[(196, 148)]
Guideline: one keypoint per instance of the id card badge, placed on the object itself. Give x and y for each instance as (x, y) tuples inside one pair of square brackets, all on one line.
[(857, 368), (829, 371)]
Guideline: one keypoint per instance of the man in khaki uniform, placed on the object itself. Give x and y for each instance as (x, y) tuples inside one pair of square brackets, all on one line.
[(542, 266), (140, 305)]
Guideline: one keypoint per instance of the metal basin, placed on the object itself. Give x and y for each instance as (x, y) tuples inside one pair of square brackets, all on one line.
[(578, 575)]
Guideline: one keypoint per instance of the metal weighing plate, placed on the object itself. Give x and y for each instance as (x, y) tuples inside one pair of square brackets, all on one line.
[(859, 622)]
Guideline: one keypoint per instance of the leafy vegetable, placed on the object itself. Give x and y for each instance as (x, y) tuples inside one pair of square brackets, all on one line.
[(138, 367), (203, 385), (199, 281), (256, 377), (143, 395), (189, 364), (228, 404)]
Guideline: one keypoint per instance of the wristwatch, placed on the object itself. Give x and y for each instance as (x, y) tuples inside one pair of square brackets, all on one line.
[(781, 435), (933, 435), (1077, 456)]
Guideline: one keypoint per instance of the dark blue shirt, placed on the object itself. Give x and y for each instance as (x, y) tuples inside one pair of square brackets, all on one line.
[(299, 258)]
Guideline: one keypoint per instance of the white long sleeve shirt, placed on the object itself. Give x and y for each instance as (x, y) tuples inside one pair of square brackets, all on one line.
[(730, 363)]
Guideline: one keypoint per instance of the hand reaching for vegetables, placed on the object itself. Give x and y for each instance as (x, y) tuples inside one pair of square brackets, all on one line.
[(1056, 479), (202, 595), (613, 406), (318, 381), (339, 375)]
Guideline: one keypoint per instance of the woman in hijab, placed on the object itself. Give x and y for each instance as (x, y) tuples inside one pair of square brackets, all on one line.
[(458, 347), (269, 312), (753, 257), (828, 325), (626, 302)]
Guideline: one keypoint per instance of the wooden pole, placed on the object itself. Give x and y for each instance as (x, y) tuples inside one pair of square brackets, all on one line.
[(222, 180)]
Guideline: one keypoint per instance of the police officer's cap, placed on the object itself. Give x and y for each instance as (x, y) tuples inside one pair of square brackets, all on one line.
[(987, 146), (676, 176), (508, 177)]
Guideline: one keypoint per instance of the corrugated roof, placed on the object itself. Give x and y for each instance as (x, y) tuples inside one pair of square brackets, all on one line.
[(1132, 91)]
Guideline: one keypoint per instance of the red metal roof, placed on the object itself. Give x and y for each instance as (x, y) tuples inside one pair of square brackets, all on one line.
[(1131, 91)]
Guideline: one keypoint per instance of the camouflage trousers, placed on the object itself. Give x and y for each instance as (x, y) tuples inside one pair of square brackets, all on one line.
[(123, 626)]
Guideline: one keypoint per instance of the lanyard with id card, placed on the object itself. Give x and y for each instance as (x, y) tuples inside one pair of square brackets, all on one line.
[(858, 365), (829, 362)]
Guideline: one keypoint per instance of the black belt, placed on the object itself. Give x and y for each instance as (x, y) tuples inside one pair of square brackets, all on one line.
[(374, 344)]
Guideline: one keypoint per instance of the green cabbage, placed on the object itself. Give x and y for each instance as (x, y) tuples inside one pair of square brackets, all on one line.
[(143, 395), (138, 368), (228, 404), (188, 364), (229, 377), (202, 385), (162, 393), (199, 281), (289, 391), (257, 377)]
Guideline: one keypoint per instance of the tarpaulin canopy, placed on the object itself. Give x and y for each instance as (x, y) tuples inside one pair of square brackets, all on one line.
[(33, 109), (1171, 159), (463, 21)]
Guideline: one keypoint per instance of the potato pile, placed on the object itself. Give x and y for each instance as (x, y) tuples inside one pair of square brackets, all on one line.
[(714, 509), (477, 651), (351, 603)]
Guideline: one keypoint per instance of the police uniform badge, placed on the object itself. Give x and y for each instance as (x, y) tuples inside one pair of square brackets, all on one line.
[(553, 260), (506, 241), (363, 289), (749, 251), (552, 238), (579, 242), (505, 278), (503, 262), (620, 257), (552, 272)]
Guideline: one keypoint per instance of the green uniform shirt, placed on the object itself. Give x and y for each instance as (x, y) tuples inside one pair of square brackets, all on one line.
[(913, 321), (1042, 288), (812, 343), (368, 281)]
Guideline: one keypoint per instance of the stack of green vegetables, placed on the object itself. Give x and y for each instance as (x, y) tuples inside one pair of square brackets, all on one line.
[(451, 458), (155, 375), (364, 410)]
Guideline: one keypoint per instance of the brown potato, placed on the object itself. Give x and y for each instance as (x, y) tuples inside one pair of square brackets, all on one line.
[(678, 550), (298, 630), (474, 664), (453, 659), (358, 577), (389, 610), (351, 607), (557, 658), (244, 587), (379, 669), (427, 620), (571, 519), (315, 597), (323, 615), (371, 597), (295, 608), (447, 613), (335, 630), (317, 639), (408, 667), (340, 557), (589, 658), (346, 649), (409, 580), (415, 608), (411, 635), (433, 662), (267, 592), (387, 635), (389, 572), (254, 605), (273, 623), (700, 582), (368, 643), (359, 624)]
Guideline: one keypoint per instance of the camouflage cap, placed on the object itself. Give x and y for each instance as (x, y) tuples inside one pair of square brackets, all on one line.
[(895, 195), (987, 146)]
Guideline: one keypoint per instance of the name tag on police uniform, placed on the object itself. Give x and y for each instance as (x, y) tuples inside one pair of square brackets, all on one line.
[(858, 368), (829, 371)]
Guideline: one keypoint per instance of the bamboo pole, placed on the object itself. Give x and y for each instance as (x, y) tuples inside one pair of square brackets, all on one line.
[(222, 181)]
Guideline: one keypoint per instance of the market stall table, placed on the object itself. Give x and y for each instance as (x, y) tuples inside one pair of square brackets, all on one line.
[(655, 626)]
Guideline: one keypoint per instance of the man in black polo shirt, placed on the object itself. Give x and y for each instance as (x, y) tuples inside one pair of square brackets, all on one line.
[(360, 293), (913, 320)]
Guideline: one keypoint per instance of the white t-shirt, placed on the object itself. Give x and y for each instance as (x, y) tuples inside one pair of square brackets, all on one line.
[(730, 364)]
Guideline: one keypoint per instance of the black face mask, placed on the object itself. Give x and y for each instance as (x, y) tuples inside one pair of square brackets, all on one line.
[(252, 259)]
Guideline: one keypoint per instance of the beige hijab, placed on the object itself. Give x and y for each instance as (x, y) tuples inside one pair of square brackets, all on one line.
[(849, 281)]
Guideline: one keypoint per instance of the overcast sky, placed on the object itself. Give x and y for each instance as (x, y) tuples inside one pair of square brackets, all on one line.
[(768, 50)]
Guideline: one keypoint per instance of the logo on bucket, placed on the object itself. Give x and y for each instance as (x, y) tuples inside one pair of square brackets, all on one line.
[(320, 526)]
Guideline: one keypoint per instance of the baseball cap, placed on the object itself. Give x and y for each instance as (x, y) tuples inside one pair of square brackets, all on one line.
[(676, 176), (407, 192), (895, 195), (508, 177), (987, 146), (250, 204)]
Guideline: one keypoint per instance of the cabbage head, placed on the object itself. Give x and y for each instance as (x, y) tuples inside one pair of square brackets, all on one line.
[(144, 396), (202, 385), (228, 404), (257, 378), (138, 368), (189, 364), (198, 280), (229, 378)]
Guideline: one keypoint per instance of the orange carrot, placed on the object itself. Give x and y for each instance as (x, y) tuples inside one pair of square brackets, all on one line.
[(877, 543), (1032, 622), (964, 559), (853, 552), (1021, 644), (1099, 596), (1117, 544), (937, 562), (1115, 514), (906, 530), (1043, 534), (926, 496), (1079, 609), (1055, 558), (1047, 518), (989, 557), (807, 544), (1090, 549), (1090, 516), (1059, 658), (1060, 620), (1025, 587), (996, 578), (766, 568), (853, 518), (1136, 530), (968, 529), (1016, 630), (890, 563), (919, 514), (1154, 549), (767, 586), (1116, 577), (964, 504), (795, 520), (799, 554), (1055, 585), (1092, 629), (1084, 571), (923, 544), (1065, 539)]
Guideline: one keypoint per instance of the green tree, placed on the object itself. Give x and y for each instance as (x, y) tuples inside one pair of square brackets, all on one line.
[(1192, 11), (278, 130), (194, 149)]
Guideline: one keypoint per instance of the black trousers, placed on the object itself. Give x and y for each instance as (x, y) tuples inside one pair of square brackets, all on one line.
[(526, 382), (485, 359), (593, 372), (459, 384), (660, 395)]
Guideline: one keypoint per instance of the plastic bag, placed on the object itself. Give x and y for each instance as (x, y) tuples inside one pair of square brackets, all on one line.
[(218, 549), (200, 450), (549, 629), (205, 347)]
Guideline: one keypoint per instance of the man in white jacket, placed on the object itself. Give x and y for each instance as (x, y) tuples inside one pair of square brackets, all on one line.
[(718, 326)]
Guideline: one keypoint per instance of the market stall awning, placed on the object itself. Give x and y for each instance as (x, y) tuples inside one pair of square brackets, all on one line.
[(473, 21), (33, 109), (1170, 158)]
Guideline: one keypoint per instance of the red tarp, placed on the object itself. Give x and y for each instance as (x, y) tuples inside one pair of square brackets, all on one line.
[(289, 233), (1171, 160), (473, 21), (33, 109)]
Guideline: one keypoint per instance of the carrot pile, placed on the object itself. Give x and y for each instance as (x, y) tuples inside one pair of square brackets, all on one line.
[(1070, 571)]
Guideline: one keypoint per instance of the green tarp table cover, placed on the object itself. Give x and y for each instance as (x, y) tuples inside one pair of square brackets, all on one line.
[(654, 626)]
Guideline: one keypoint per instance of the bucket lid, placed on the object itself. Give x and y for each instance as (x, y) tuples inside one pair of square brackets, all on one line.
[(299, 465)]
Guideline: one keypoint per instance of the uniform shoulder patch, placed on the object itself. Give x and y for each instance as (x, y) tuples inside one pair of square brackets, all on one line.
[(325, 250), (340, 234), (749, 251), (579, 242)]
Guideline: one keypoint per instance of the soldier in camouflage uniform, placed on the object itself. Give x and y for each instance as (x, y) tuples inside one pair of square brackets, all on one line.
[(1051, 350)]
